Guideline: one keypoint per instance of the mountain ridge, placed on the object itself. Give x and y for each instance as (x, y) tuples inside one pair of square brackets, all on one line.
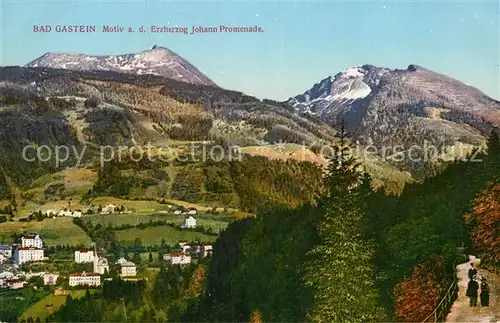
[(382, 107), (402, 107), (158, 60)]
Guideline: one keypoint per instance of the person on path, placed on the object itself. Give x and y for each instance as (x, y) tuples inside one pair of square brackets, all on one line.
[(472, 271), (485, 293), (472, 289)]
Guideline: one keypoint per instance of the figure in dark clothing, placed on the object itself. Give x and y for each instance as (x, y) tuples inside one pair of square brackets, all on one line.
[(472, 271), (485, 293), (472, 289)]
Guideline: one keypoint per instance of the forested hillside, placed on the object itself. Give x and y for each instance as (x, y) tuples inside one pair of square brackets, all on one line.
[(485, 223), (40, 106), (399, 253), (252, 184)]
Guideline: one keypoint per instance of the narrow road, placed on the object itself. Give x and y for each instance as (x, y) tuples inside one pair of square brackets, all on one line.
[(461, 312)]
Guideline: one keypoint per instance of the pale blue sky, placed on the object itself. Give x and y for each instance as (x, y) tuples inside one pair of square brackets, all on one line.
[(303, 42)]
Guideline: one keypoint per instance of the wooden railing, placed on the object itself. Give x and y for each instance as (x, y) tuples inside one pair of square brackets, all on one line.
[(443, 308)]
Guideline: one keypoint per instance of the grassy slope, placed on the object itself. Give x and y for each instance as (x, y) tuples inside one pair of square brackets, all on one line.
[(207, 221), (59, 231), (39, 310), (154, 235), (15, 302), (76, 180)]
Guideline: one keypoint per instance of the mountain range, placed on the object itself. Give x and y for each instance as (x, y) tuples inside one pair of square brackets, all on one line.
[(156, 95)]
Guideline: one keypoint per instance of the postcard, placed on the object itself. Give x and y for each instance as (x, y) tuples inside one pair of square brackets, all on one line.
[(249, 161)]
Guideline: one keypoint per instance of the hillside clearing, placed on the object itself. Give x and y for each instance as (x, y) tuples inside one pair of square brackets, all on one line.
[(114, 220), (40, 310), (57, 231), (154, 235)]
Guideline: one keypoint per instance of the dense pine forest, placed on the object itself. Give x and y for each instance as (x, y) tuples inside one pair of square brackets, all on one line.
[(358, 255)]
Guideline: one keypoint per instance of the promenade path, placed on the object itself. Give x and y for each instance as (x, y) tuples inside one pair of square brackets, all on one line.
[(461, 312)]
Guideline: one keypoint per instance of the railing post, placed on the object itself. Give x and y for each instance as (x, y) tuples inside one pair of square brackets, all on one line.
[(447, 299)]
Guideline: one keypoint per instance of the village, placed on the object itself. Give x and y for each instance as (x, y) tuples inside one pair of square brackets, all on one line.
[(17, 260), (31, 250), (68, 211), (67, 248)]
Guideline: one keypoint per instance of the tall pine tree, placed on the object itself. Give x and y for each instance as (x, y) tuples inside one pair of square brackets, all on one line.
[(493, 158), (340, 270)]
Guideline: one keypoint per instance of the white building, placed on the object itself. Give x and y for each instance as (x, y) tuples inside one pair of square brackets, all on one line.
[(189, 223), (65, 213), (101, 265), (84, 256), (185, 248), (31, 240), (76, 214), (128, 269), (50, 213), (121, 261), (6, 275), (108, 209), (206, 250), (50, 279), (180, 258), (6, 250), (70, 213), (85, 279), (27, 254), (15, 283)]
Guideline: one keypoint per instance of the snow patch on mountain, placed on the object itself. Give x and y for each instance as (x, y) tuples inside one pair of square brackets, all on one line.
[(352, 72), (351, 85), (354, 92)]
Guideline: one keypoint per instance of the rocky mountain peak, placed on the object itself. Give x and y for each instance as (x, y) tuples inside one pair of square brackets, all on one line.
[(387, 107), (157, 61), (415, 67)]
